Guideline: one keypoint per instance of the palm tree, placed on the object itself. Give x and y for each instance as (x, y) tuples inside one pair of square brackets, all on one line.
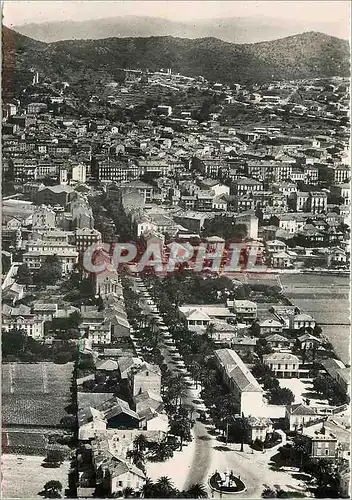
[(148, 488), (140, 442), (269, 493), (179, 299), (180, 426), (177, 389), (137, 458), (300, 448), (197, 490), (324, 471), (195, 370), (190, 410), (164, 487), (244, 430), (127, 492)]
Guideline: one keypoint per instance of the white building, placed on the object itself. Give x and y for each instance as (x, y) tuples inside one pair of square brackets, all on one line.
[(164, 110), (79, 173), (303, 321), (259, 428), (198, 317), (245, 310), (38, 251), (284, 365), (299, 415), (240, 380), (274, 246), (108, 282), (31, 325)]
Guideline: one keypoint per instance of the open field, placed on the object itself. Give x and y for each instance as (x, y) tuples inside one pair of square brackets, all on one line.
[(24, 477), (36, 378), (35, 394), (25, 439), (33, 409), (326, 298)]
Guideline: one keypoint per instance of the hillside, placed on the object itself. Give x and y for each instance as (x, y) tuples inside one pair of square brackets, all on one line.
[(307, 55), (18, 54), (230, 29)]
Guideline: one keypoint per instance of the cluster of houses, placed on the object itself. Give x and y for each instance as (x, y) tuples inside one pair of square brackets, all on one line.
[(176, 172), (109, 424), (172, 174), (327, 434), (288, 332)]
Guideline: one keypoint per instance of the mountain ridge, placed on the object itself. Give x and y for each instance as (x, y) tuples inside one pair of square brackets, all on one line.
[(231, 29), (307, 55)]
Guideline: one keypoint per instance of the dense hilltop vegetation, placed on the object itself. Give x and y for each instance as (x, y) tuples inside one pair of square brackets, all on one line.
[(307, 55)]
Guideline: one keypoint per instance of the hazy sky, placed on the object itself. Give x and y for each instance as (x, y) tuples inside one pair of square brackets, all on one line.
[(319, 12)]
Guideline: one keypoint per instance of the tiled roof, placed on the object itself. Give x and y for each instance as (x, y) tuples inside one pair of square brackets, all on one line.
[(277, 338), (127, 363), (280, 357), (303, 317), (107, 365), (300, 409), (237, 371)]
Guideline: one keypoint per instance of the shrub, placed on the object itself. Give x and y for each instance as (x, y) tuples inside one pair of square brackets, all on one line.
[(258, 445)]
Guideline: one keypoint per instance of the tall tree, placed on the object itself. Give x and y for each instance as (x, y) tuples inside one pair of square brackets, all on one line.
[(301, 449), (24, 276), (197, 490), (50, 271), (148, 488), (137, 458), (13, 342), (140, 442), (165, 487), (281, 396), (180, 425)]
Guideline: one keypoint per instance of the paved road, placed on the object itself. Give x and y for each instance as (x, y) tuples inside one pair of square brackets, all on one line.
[(202, 455), (203, 441), (211, 455)]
